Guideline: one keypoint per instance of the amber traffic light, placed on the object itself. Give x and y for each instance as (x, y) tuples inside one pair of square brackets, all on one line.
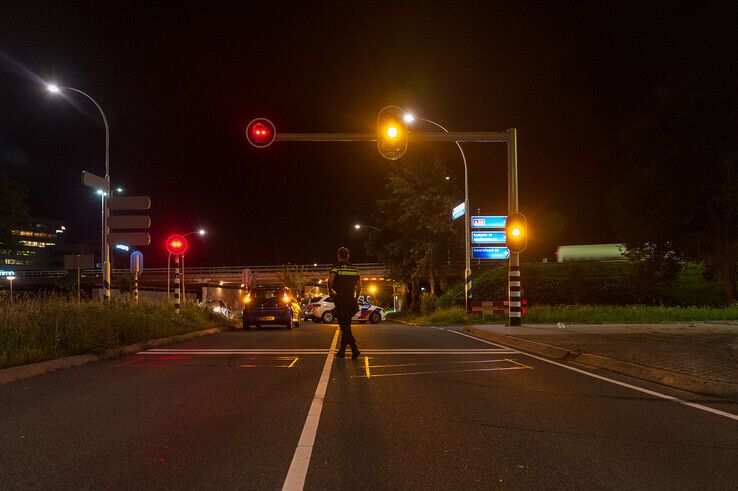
[(391, 133), (516, 232)]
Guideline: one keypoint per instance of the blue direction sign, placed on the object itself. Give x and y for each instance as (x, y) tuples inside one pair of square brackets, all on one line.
[(489, 222), (490, 253), (496, 237), (458, 211)]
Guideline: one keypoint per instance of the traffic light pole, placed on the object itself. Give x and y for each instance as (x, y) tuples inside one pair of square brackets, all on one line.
[(509, 137), (514, 285)]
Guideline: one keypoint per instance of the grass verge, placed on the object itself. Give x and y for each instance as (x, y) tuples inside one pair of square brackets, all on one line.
[(582, 314), (44, 329)]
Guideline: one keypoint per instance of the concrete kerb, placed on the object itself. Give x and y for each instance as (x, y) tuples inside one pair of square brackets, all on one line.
[(651, 374), (14, 374)]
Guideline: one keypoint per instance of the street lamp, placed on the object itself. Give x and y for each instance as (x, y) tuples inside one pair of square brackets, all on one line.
[(359, 225), (10, 280), (105, 255), (409, 118)]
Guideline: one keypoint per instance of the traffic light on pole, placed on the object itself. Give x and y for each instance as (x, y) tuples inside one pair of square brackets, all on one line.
[(391, 133), (516, 232), (176, 244), (260, 132)]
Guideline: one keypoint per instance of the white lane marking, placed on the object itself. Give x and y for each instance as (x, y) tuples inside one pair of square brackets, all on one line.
[(297, 473), (496, 369), (617, 382)]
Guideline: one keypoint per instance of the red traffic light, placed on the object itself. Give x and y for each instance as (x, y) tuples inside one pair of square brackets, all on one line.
[(176, 244), (260, 132)]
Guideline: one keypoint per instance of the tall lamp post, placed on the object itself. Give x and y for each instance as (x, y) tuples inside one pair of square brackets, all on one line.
[(409, 118), (105, 253), (10, 280)]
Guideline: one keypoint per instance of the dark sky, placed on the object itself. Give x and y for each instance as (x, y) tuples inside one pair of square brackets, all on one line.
[(178, 81)]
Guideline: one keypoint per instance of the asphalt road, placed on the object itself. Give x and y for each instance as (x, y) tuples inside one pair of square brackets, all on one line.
[(423, 408)]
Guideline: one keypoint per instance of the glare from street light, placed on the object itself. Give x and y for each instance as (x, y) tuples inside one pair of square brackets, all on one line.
[(409, 118), (118, 190), (357, 226), (101, 192), (201, 231), (53, 88), (448, 178)]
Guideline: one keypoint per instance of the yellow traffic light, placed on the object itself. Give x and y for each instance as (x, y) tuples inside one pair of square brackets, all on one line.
[(391, 133), (516, 235)]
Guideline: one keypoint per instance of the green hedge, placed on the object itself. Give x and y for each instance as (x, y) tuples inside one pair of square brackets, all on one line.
[(592, 283)]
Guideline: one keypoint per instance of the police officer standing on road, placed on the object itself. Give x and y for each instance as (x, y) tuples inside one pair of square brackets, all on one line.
[(344, 285)]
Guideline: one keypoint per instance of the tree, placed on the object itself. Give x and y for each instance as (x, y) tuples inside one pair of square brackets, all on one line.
[(13, 209), (293, 278), (679, 201), (416, 232)]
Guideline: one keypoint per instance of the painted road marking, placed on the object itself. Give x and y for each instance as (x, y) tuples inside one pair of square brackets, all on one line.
[(399, 351), (514, 366), (616, 382), (295, 480), (284, 365)]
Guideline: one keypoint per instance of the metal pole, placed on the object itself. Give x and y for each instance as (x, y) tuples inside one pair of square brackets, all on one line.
[(11, 290), (514, 284), (169, 259), (135, 278), (176, 283), (467, 246), (184, 293), (102, 245), (105, 257)]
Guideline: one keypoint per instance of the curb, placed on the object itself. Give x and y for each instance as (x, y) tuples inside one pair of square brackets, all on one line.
[(13, 374), (658, 375)]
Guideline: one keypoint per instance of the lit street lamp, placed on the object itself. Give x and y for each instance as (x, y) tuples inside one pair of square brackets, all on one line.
[(10, 280), (359, 225), (105, 255), (409, 118)]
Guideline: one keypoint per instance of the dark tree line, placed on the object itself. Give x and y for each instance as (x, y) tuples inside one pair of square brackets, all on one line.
[(679, 199)]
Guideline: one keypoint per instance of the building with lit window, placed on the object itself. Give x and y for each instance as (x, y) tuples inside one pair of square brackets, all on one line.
[(36, 245)]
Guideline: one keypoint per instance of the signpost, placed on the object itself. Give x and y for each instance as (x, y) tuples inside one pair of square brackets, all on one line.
[(131, 238), (490, 253), (489, 222), (137, 260), (102, 185), (491, 237), (458, 211)]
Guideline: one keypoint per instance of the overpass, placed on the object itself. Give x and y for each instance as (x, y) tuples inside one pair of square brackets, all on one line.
[(224, 276)]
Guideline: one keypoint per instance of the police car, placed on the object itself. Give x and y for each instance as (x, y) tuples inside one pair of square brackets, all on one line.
[(320, 309)]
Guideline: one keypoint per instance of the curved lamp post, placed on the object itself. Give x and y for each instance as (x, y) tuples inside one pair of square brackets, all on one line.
[(409, 118), (105, 254)]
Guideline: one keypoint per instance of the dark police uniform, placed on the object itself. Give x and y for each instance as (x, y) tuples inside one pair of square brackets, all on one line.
[(344, 286)]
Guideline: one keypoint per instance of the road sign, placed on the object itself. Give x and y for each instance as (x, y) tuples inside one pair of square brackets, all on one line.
[(92, 181), (489, 222), (129, 221), (497, 237), (130, 238), (458, 211), (129, 203), (490, 253), (137, 262), (6, 273)]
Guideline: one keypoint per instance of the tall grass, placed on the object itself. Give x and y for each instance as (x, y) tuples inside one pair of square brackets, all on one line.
[(40, 329), (584, 314)]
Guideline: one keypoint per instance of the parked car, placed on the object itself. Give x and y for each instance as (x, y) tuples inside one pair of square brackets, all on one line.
[(218, 306), (321, 309), (270, 305)]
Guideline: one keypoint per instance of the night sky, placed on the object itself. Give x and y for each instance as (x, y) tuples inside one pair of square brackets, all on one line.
[(178, 82)]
